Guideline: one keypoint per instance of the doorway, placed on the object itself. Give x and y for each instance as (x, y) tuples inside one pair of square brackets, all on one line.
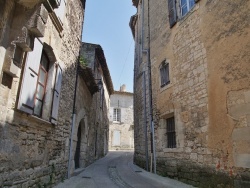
[(78, 148)]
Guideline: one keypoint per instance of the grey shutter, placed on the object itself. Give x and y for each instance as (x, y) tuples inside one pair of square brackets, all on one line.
[(60, 11), (172, 12), (56, 95), (29, 81)]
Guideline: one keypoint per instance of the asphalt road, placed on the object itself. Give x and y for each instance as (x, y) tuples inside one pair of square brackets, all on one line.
[(117, 170)]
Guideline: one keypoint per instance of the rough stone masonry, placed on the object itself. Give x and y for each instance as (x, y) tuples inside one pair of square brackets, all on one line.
[(207, 53), (33, 145)]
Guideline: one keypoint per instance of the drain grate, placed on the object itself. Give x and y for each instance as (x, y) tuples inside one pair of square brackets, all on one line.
[(87, 177)]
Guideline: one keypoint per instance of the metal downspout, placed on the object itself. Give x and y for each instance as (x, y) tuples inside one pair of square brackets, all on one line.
[(150, 90), (74, 105), (145, 120), (147, 51)]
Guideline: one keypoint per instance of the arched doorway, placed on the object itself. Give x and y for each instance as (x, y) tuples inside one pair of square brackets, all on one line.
[(78, 147)]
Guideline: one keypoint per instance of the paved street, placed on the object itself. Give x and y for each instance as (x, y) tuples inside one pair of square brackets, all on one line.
[(117, 170)]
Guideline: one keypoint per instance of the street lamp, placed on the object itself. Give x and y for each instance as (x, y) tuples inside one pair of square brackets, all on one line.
[(99, 84)]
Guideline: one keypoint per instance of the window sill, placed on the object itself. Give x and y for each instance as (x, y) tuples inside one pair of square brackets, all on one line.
[(173, 150), (39, 120), (165, 87), (117, 122)]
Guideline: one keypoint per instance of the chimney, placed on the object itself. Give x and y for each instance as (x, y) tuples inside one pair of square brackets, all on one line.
[(123, 88)]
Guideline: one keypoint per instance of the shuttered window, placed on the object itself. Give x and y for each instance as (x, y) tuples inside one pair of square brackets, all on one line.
[(186, 6), (171, 134), (61, 10), (172, 12), (164, 72), (117, 115), (34, 84)]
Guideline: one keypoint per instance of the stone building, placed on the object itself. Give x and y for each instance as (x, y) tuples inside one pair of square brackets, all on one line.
[(94, 87), (121, 120), (39, 48), (192, 90)]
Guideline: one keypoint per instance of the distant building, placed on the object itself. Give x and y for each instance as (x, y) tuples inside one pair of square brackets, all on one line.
[(192, 90), (121, 120)]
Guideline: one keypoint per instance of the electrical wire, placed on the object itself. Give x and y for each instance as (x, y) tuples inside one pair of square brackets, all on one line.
[(125, 61)]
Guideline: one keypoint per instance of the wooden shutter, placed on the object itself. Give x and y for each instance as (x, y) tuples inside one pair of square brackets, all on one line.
[(60, 11), (172, 12), (56, 95), (29, 81)]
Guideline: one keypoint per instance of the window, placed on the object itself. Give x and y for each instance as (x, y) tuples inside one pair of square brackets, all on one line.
[(164, 72), (117, 115), (186, 5), (171, 135), (34, 88), (60, 11), (41, 85), (7, 80)]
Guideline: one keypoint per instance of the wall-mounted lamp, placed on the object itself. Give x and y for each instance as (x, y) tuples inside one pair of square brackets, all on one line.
[(99, 84)]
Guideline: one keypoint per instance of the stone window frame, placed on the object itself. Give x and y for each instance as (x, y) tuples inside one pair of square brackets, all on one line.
[(175, 11), (164, 73), (171, 132), (179, 131), (168, 85)]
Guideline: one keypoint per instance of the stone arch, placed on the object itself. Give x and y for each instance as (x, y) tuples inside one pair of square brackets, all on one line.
[(80, 147)]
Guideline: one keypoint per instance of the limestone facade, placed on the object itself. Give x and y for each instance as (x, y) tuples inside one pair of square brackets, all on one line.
[(204, 46), (39, 48), (121, 121)]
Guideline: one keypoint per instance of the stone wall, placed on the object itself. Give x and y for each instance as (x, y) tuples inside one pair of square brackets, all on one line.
[(33, 151), (208, 92)]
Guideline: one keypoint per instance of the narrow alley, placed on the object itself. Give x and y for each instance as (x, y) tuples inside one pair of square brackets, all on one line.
[(117, 170)]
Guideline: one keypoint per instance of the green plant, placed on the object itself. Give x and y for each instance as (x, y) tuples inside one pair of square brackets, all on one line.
[(83, 61)]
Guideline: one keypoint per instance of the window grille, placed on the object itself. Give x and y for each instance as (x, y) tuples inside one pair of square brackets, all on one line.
[(117, 115), (171, 135)]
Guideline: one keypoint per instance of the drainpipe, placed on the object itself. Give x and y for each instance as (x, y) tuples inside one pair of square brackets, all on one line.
[(145, 120), (74, 108), (147, 51)]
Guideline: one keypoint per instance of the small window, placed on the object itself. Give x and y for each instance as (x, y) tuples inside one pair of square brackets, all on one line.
[(186, 6), (7, 80), (164, 72), (171, 134), (117, 115)]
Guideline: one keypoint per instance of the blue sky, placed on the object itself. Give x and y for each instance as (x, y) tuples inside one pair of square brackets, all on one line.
[(106, 23)]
